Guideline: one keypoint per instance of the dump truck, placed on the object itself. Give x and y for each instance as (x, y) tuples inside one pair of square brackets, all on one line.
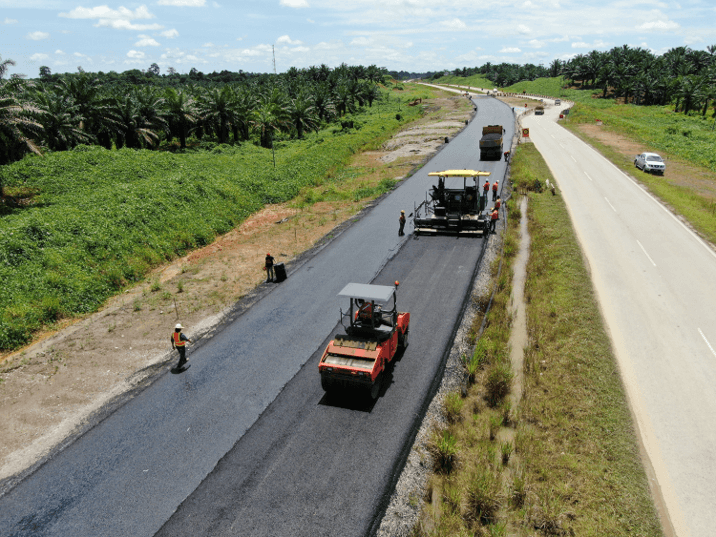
[(491, 142), (539, 110), (453, 206), (374, 333)]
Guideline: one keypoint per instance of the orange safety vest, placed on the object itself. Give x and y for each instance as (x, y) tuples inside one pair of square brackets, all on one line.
[(365, 312), (497, 205), (495, 185), (495, 215), (177, 339), (486, 186)]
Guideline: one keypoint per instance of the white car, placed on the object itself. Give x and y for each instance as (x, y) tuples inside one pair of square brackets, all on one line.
[(557, 101), (650, 162)]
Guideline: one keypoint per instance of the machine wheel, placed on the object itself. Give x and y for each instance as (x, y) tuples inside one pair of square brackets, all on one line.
[(403, 340), (326, 384), (375, 388)]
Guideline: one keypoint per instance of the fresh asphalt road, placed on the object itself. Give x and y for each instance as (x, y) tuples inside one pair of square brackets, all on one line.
[(655, 282), (130, 473)]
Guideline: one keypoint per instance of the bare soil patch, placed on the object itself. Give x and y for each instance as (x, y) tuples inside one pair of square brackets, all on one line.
[(50, 389)]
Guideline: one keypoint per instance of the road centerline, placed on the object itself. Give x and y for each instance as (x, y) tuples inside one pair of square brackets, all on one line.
[(644, 250), (707, 342)]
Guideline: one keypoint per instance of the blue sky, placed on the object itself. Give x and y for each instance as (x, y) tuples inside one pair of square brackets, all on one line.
[(412, 35)]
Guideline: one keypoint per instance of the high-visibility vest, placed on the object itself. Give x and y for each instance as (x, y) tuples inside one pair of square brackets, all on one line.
[(495, 215), (495, 185), (365, 312), (177, 339), (486, 186)]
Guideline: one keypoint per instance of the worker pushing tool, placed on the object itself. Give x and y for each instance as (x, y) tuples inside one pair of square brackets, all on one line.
[(179, 341)]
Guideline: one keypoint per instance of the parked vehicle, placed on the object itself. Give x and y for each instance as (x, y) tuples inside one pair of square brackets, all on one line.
[(650, 162), (373, 335), (491, 142)]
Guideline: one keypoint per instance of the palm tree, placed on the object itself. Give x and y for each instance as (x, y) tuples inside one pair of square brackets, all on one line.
[(182, 113), (303, 114), (16, 122), (270, 116), (244, 105), (60, 118), (216, 109)]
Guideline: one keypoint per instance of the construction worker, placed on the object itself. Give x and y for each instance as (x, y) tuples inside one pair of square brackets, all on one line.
[(495, 186), (498, 203), (365, 310), (401, 221), (486, 188), (179, 343), (507, 156), (269, 268), (494, 217)]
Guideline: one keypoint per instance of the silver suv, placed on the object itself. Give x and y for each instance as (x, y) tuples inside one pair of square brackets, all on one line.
[(650, 162)]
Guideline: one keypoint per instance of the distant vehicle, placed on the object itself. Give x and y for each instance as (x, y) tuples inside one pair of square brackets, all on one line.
[(565, 112), (650, 162), (539, 110), (557, 101)]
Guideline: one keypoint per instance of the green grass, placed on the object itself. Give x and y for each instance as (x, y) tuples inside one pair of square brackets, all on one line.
[(475, 81), (582, 446), (99, 220), (573, 467)]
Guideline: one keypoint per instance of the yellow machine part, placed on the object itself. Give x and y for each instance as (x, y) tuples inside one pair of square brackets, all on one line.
[(459, 173)]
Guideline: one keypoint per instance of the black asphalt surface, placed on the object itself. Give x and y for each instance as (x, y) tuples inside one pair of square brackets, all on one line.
[(290, 461)]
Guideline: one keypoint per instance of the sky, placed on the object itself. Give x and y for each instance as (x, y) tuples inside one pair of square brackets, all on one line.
[(408, 35)]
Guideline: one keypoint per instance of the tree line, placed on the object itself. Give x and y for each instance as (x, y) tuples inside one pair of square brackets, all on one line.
[(682, 76), (139, 109)]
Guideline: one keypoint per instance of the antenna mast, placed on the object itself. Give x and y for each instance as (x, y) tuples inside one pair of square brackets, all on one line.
[(273, 48)]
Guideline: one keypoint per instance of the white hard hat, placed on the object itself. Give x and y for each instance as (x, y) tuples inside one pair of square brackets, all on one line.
[(178, 326)]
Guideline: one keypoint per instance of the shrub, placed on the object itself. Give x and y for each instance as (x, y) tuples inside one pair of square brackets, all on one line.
[(453, 407), (483, 495), (444, 448), (499, 383)]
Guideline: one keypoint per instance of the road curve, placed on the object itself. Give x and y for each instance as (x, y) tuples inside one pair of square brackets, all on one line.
[(655, 283), (130, 473)]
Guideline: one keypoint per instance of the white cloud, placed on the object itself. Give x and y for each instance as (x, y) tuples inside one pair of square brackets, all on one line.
[(658, 25), (58, 51), (10, 21), (506, 50), (183, 3), (361, 42), (105, 12), (136, 54), (581, 44), (37, 36), (146, 41), (294, 3), (311, 21), (454, 24), (284, 39), (208, 45), (170, 34), (119, 19), (521, 28), (39, 57), (536, 43)]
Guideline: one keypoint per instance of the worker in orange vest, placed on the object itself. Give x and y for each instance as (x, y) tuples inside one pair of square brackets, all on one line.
[(494, 217), (179, 343), (486, 188), (498, 203), (495, 186)]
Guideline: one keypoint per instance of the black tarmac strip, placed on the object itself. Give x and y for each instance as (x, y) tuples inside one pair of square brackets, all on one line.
[(245, 442)]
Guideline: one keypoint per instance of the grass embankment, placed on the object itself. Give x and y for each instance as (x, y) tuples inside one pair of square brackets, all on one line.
[(474, 81), (566, 460), (95, 221)]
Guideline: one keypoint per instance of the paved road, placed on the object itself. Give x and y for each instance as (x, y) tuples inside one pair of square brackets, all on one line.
[(655, 283), (128, 475)]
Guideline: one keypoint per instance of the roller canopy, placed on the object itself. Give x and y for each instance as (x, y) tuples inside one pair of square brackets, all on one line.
[(377, 293), (459, 173)]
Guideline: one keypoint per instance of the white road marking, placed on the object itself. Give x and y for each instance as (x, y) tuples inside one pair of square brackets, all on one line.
[(574, 159), (707, 342), (552, 135), (562, 145), (646, 254), (585, 173), (609, 202)]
